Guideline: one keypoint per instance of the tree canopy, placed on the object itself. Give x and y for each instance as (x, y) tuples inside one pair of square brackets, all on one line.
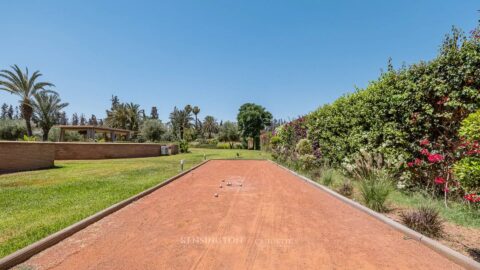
[(252, 119)]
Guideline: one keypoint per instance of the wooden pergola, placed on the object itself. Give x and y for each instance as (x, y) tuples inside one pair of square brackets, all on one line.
[(90, 131)]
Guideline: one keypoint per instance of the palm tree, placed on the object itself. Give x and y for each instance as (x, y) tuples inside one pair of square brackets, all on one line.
[(118, 117), (134, 115), (24, 86), (196, 111), (180, 120), (210, 125), (188, 109), (46, 111)]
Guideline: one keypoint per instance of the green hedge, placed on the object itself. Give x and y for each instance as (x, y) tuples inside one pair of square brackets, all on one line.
[(427, 100)]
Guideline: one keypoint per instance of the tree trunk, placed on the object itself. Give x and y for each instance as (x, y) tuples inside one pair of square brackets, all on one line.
[(27, 114), (256, 143), (45, 134)]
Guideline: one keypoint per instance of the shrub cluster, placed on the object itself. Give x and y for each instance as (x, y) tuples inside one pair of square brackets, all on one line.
[(12, 129), (424, 101)]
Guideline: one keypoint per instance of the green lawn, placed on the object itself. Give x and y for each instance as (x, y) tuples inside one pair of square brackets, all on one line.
[(38, 203)]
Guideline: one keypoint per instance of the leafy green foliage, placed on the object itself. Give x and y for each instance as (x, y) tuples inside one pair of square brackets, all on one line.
[(152, 130), (304, 147), (252, 119), (210, 126), (183, 145), (47, 109), (394, 113), (181, 120), (24, 86), (229, 133), (124, 115), (467, 172), (470, 128), (375, 190), (12, 129), (327, 177)]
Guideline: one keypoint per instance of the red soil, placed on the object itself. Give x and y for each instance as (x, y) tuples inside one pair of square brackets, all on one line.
[(273, 221)]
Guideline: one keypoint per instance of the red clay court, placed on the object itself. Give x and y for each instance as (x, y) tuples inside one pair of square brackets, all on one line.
[(266, 219)]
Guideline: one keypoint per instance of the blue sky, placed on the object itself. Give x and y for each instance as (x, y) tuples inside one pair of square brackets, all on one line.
[(289, 56)]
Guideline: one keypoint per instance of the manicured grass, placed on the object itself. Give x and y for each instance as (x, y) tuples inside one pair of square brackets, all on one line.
[(36, 204)]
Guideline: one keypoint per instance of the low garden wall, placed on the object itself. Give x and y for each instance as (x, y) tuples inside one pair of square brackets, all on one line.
[(25, 156), (78, 151)]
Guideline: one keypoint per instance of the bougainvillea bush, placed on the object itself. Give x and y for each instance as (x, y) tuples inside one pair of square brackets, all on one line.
[(409, 115)]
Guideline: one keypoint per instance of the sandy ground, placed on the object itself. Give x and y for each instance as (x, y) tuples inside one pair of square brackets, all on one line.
[(267, 219)]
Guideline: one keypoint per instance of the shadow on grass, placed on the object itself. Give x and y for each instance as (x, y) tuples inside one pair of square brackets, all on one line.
[(42, 169)]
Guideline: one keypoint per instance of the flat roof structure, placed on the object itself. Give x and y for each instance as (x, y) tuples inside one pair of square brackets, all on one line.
[(89, 131)]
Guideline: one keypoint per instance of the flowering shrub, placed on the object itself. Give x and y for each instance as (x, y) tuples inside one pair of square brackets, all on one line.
[(304, 147), (411, 114), (432, 169)]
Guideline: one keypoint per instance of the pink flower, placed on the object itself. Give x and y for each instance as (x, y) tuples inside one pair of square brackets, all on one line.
[(418, 161), (439, 180), (435, 158), (445, 189), (424, 142), (472, 197), (410, 164), (424, 152)]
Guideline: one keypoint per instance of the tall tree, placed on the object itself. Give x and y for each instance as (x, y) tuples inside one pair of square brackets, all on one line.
[(47, 107), (23, 85), (115, 102), (63, 118), (154, 113), (196, 111), (4, 111), (83, 120), (229, 133), (188, 109), (180, 120), (210, 125), (125, 115), (134, 116), (252, 119), (75, 119), (10, 112), (17, 113), (93, 120)]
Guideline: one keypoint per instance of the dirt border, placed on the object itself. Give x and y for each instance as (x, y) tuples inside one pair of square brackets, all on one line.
[(25, 253), (441, 249)]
